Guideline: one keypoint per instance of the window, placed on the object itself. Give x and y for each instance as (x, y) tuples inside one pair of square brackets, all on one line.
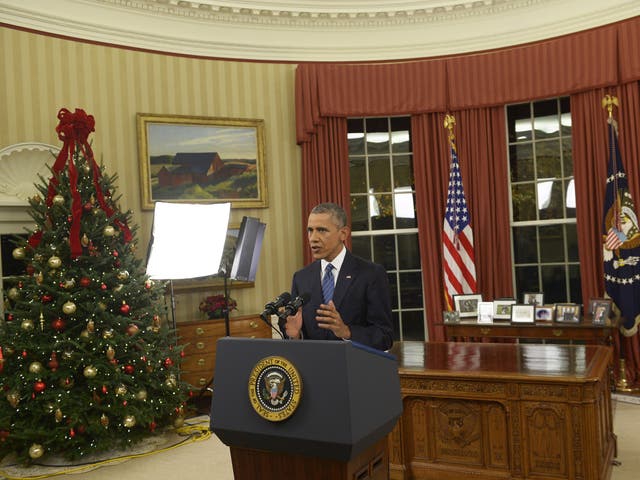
[(543, 205), (383, 215)]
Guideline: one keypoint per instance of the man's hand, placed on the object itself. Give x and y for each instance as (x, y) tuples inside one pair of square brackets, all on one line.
[(329, 318), (294, 325)]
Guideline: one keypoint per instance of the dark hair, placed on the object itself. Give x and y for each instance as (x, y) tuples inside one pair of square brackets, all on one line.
[(337, 213)]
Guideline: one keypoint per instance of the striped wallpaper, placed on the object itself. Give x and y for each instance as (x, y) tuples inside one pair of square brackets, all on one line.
[(41, 74)]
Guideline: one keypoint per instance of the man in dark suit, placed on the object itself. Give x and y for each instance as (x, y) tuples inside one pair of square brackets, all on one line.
[(350, 299)]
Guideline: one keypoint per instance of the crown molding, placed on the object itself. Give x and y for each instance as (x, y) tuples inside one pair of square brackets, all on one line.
[(314, 30)]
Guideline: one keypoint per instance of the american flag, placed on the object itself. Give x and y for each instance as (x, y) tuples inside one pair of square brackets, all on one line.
[(457, 238)]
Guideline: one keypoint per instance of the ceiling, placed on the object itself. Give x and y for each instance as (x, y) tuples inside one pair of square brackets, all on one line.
[(314, 30)]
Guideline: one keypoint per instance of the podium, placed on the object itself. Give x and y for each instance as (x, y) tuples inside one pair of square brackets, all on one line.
[(349, 400)]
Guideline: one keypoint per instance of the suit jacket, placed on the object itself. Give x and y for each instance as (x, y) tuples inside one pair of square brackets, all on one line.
[(361, 296)]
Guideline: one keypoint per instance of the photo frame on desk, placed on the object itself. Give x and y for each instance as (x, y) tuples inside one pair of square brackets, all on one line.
[(485, 312), (533, 298), (521, 313), (567, 313), (201, 160), (502, 309), (467, 304), (544, 313), (450, 316), (600, 310)]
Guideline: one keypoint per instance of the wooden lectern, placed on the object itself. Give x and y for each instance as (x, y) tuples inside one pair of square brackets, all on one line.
[(349, 403)]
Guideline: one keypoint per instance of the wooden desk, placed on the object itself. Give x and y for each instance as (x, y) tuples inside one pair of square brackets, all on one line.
[(583, 331), (503, 411)]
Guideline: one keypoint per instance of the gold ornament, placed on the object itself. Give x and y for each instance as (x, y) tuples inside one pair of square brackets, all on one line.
[(13, 293), (18, 253), (69, 308), (91, 326), (111, 353), (121, 390), (84, 241), (54, 262), (84, 334), (104, 420), (39, 278), (26, 325), (58, 199), (13, 397), (129, 421), (141, 395), (178, 422), (107, 334), (36, 450), (90, 371), (118, 287), (171, 381), (123, 275), (50, 407), (58, 415), (35, 367), (69, 283), (67, 355), (102, 306), (109, 231), (41, 322)]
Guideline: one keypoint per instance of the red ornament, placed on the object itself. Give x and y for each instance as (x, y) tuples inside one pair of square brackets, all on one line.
[(70, 219), (152, 426), (124, 308), (115, 253), (46, 298), (10, 317), (124, 403), (103, 287), (87, 207), (117, 263), (168, 362), (129, 369), (24, 354), (182, 354), (58, 324), (81, 429), (39, 387), (30, 270), (85, 282), (72, 433), (104, 390), (4, 434)]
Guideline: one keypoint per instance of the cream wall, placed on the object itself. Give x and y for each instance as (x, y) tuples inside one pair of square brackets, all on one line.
[(42, 74)]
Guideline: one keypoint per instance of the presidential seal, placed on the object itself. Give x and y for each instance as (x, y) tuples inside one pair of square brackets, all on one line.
[(275, 388)]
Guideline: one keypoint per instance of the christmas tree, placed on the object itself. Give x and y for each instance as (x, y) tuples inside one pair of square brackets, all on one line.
[(86, 364)]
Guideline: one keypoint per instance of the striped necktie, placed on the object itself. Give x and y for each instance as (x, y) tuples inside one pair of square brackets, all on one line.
[(327, 283)]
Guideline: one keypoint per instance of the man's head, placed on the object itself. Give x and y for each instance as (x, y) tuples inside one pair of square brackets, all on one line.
[(327, 230)]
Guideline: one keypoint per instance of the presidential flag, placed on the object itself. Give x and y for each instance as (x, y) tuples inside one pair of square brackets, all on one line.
[(457, 237), (621, 241)]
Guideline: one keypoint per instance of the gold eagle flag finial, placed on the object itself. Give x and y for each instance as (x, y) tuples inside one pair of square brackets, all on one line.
[(449, 123), (608, 102)]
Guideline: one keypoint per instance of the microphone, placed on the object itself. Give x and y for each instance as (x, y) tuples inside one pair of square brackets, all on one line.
[(273, 306), (292, 307)]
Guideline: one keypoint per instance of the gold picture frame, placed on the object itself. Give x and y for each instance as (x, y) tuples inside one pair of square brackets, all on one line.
[(201, 160)]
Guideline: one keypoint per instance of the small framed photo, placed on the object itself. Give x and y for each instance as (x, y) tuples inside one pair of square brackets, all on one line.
[(451, 317), (502, 309), (522, 313), (567, 313), (467, 304), (533, 298), (600, 309), (544, 313), (485, 312)]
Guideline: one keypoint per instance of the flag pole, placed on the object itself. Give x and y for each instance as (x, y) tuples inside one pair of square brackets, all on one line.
[(622, 385)]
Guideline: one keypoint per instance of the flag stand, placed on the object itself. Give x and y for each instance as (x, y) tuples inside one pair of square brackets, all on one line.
[(622, 385)]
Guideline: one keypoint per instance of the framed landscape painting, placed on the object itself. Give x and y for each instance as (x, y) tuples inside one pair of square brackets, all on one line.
[(201, 160)]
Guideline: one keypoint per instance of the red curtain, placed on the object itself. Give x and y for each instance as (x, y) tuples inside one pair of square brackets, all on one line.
[(475, 88)]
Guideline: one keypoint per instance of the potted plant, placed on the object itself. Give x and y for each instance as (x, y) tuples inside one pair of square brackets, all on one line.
[(214, 306)]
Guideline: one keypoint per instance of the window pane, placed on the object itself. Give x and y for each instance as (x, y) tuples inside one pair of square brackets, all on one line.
[(550, 200), (413, 326), (379, 174), (358, 174), (408, 252), (554, 283), (552, 244), (519, 122), (359, 213), (570, 198), (567, 157), (381, 209), (393, 289), (548, 159), (377, 135), (572, 242), (355, 136), (395, 319), (402, 171), (521, 160), (575, 284), (546, 120), (400, 138), (384, 251), (525, 245), (524, 202), (411, 290), (361, 246), (526, 280)]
